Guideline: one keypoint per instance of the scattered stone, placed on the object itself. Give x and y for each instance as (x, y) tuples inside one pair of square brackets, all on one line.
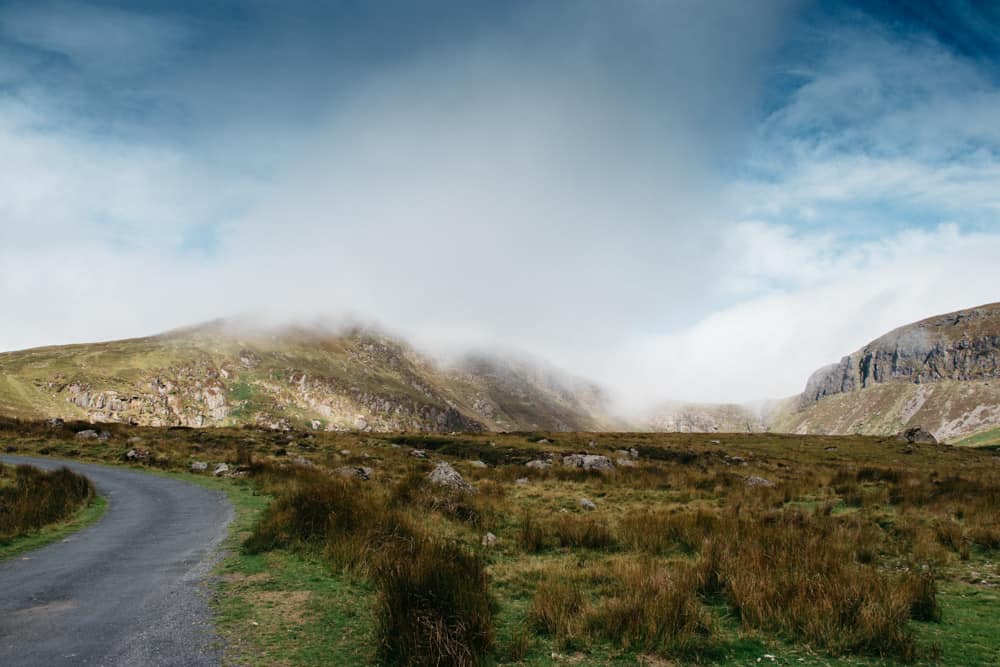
[(633, 452), (735, 460), (88, 434), (754, 480), (56, 422), (199, 466), (521, 481), (136, 455), (315, 424), (538, 463), (444, 475), (831, 449), (360, 472), (394, 445), (625, 463), (917, 436), (588, 462), (221, 470), (542, 441), (418, 453), (622, 453), (478, 464), (586, 504), (489, 540), (345, 452), (302, 461), (715, 442), (104, 435)]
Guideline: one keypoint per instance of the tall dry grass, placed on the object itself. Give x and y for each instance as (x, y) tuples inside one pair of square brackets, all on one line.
[(32, 498)]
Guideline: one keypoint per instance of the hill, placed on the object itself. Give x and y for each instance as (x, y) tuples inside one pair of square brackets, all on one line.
[(941, 373), (218, 375)]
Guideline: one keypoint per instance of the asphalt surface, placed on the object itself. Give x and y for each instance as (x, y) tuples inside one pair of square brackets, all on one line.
[(128, 590)]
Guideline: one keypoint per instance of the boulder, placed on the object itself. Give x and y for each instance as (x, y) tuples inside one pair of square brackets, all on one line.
[(538, 463), (587, 504), (754, 480), (345, 452), (917, 436), (521, 481), (446, 476), (88, 434), (359, 472), (489, 540), (588, 462), (478, 464), (220, 470), (418, 453), (199, 466), (136, 454)]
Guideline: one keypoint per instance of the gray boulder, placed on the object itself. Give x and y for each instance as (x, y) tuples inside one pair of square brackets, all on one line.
[(538, 463), (587, 504), (588, 462), (221, 469), (917, 436), (199, 466), (489, 540), (754, 480), (446, 476), (88, 434), (359, 472)]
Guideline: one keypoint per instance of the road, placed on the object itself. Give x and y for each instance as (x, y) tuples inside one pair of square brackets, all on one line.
[(129, 590)]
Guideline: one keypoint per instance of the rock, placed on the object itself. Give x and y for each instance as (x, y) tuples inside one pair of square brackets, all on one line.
[(302, 461), (588, 462), (478, 464), (418, 453), (345, 452), (446, 476), (136, 455), (521, 481), (542, 441), (104, 435), (221, 470), (754, 480), (735, 460), (88, 434), (917, 436), (56, 422), (586, 504), (199, 466), (621, 453), (360, 472), (135, 440), (315, 424), (625, 463), (489, 540), (715, 442), (538, 463), (633, 452)]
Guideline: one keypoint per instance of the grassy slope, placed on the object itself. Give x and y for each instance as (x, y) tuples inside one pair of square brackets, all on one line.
[(947, 408), (348, 365)]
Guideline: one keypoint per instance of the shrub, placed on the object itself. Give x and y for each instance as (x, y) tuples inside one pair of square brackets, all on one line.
[(34, 498), (657, 608), (434, 606), (583, 531)]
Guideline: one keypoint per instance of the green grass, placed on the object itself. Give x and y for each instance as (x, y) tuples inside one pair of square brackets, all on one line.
[(86, 516), (988, 438)]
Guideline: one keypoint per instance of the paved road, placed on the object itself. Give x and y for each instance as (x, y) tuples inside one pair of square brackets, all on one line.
[(128, 590)]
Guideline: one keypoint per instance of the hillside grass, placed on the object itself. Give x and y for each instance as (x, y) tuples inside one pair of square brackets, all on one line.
[(863, 552)]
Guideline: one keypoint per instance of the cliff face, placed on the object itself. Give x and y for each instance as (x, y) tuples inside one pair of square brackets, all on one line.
[(706, 418), (936, 373), (356, 379)]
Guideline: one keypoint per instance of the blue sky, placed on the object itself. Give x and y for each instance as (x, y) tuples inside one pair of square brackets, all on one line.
[(681, 200)]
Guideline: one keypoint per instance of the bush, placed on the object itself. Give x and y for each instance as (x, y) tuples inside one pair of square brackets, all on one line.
[(34, 498), (434, 606)]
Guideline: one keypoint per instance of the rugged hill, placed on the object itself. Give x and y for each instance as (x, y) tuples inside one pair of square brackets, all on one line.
[(706, 418), (942, 373), (352, 379)]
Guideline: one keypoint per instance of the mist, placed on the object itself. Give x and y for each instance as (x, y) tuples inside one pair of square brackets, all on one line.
[(616, 189)]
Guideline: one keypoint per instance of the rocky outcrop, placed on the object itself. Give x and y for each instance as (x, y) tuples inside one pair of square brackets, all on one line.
[(959, 346), (941, 374)]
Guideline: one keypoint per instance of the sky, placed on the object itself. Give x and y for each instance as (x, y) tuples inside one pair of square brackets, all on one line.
[(681, 201)]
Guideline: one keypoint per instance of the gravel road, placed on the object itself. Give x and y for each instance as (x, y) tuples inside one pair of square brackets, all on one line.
[(129, 590)]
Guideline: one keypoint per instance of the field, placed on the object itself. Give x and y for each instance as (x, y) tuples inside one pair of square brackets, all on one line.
[(710, 549)]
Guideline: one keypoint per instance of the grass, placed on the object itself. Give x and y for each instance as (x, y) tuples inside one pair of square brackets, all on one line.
[(861, 553), (85, 516), (32, 499)]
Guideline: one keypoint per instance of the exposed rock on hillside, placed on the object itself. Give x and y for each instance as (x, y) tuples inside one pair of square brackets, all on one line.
[(942, 373), (354, 379)]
